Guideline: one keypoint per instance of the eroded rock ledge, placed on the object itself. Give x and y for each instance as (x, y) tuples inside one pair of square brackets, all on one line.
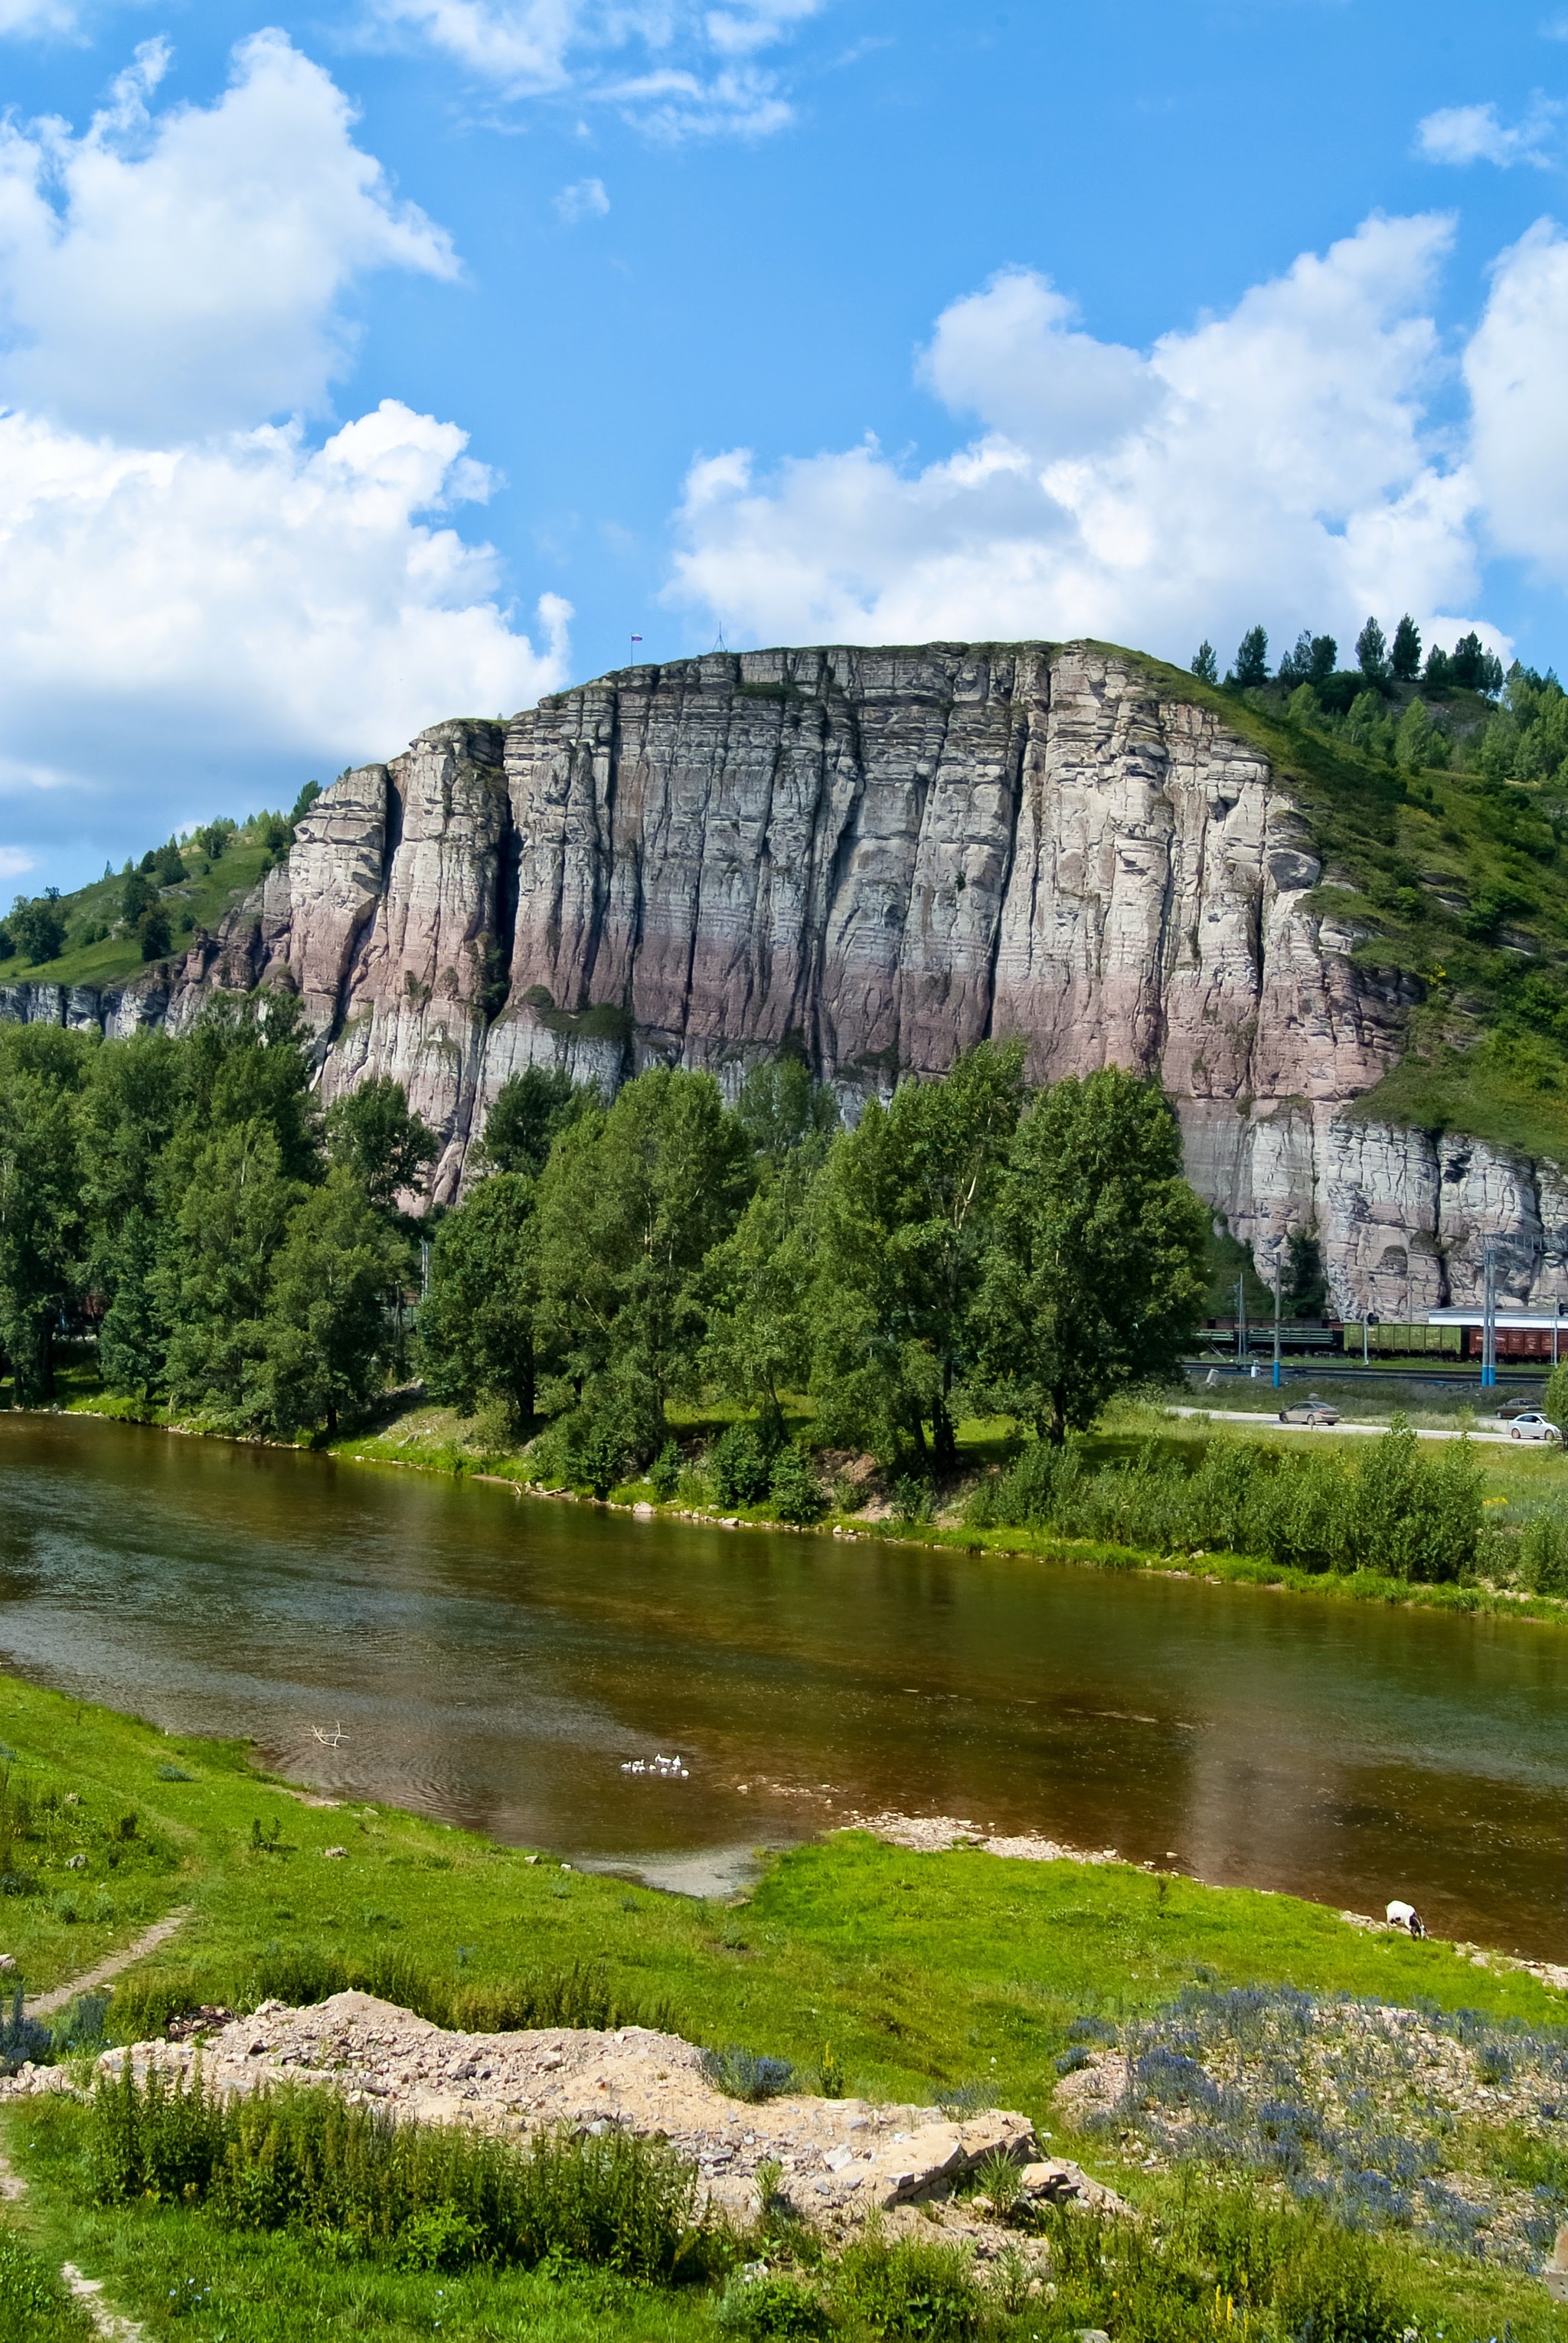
[(841, 2159), (881, 856)]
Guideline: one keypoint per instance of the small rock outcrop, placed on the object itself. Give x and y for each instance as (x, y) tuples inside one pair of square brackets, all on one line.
[(841, 2159), (879, 856)]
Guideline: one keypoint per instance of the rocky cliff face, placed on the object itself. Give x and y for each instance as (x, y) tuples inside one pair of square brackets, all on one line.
[(886, 855)]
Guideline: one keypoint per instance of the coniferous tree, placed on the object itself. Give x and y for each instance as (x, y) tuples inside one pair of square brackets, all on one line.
[(1324, 660), (1205, 666), (1372, 652), (1404, 660), (1252, 660)]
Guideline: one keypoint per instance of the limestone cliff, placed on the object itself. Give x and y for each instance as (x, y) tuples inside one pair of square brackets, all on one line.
[(886, 854)]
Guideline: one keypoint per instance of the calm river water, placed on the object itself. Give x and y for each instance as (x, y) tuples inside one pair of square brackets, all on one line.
[(496, 1661)]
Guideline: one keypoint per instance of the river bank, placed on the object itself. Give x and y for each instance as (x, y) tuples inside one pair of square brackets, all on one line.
[(415, 1434), (958, 1975)]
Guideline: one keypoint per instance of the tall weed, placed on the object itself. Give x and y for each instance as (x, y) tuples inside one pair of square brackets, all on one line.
[(303, 2159), (1391, 1508)]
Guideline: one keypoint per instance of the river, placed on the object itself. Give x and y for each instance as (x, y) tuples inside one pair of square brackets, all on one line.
[(496, 1662)]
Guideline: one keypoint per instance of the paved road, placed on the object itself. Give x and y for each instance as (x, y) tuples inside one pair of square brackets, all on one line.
[(1272, 1422)]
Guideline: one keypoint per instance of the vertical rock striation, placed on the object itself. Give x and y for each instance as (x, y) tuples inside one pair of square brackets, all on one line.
[(879, 856)]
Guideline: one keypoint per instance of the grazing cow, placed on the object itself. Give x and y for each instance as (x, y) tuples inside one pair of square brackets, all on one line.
[(1405, 1917)]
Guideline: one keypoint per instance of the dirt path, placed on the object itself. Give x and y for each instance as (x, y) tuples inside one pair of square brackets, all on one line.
[(44, 2003), (88, 2291)]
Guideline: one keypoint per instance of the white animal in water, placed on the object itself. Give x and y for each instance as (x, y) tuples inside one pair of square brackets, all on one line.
[(1405, 1917)]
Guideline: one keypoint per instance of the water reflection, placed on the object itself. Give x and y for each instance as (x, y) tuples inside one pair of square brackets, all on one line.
[(495, 1661)]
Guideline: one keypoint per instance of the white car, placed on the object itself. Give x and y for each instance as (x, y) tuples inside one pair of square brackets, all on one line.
[(1534, 1426)]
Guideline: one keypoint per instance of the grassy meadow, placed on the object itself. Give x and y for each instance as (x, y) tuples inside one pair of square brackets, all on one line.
[(917, 1977)]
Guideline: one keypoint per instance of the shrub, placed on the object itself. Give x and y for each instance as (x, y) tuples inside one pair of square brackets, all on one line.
[(301, 2159), (581, 1995), (1330, 2293), (747, 2075), (140, 2007), (912, 1499), (741, 1466), (1543, 1555), (795, 1488), (772, 2304), (664, 1473), (22, 2038), (911, 2290)]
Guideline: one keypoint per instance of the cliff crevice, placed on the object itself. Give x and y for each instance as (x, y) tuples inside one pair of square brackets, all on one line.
[(886, 855)]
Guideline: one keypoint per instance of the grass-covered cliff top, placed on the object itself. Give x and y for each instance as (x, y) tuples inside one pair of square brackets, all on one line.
[(146, 913), (1442, 823), (1442, 818)]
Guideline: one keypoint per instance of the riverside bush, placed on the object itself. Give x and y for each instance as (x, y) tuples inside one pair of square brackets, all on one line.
[(1391, 1509), (303, 2160), (741, 1466)]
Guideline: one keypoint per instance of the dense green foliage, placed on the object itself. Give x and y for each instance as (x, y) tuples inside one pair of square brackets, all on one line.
[(1390, 1509), (178, 1196), (242, 1258), (428, 2198), (962, 1237)]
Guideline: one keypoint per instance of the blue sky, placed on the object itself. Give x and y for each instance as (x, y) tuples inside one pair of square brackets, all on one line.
[(373, 362)]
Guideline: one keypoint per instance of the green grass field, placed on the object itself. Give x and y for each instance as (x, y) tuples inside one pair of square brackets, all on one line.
[(919, 1973)]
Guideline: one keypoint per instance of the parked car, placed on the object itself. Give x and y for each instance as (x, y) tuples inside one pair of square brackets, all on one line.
[(1534, 1426), (1315, 1413)]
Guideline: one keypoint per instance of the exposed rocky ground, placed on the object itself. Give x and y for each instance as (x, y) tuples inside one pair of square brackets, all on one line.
[(1454, 2126), (840, 2160), (884, 855)]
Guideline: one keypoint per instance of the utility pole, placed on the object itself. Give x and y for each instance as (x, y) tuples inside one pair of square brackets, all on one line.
[(1278, 1255), (1241, 1322), (1489, 1316)]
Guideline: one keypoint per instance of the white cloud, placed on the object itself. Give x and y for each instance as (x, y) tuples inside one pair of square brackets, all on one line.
[(193, 596), (1477, 134), (250, 599), (674, 67), (584, 199), (1515, 367), (1272, 463), (14, 862), (37, 16), (181, 272)]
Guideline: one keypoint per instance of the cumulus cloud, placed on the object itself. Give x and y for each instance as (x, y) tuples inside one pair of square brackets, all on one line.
[(182, 273), (193, 595), (1275, 462), (1477, 134), (676, 69), (1514, 369), (245, 601), (584, 199)]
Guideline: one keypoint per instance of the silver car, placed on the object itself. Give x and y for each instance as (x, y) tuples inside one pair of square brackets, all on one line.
[(1315, 1412), (1534, 1426)]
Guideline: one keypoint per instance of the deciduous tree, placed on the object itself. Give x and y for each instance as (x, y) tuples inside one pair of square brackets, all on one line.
[(1095, 1277)]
